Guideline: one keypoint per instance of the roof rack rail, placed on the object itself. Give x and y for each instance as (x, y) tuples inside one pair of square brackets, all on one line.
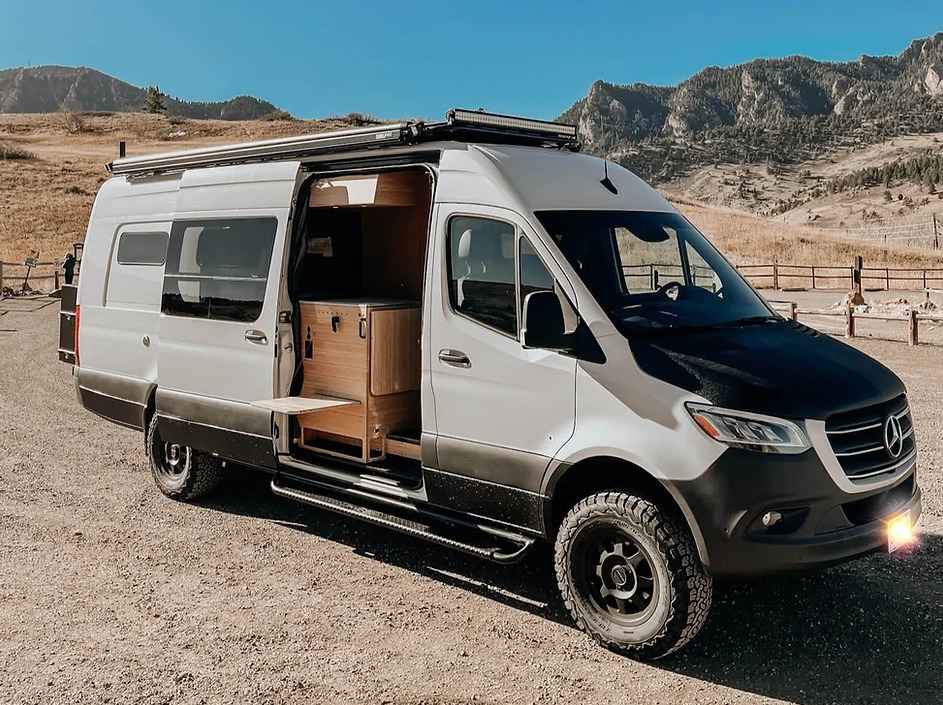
[(460, 125)]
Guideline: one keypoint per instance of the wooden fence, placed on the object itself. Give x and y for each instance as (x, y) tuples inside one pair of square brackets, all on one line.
[(811, 276), (13, 275), (911, 320)]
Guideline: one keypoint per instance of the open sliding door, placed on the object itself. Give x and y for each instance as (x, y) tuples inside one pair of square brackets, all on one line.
[(219, 310)]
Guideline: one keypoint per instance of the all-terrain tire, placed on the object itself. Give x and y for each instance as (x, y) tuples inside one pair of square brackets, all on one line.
[(197, 476), (683, 588)]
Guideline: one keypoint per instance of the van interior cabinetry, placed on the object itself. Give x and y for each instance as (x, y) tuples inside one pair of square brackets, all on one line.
[(365, 352)]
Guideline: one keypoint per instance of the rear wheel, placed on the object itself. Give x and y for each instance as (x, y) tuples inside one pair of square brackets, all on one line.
[(181, 472), (630, 575)]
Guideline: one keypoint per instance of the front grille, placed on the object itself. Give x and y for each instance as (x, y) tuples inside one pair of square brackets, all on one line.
[(858, 438)]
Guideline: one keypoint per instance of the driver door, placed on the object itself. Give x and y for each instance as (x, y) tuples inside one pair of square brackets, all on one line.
[(501, 411)]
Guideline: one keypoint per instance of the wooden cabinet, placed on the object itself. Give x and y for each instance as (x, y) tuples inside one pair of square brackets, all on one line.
[(365, 351)]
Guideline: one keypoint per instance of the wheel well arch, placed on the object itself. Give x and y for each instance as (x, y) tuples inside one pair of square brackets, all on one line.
[(569, 484)]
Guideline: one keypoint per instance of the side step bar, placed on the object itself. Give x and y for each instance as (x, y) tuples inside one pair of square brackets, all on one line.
[(519, 545)]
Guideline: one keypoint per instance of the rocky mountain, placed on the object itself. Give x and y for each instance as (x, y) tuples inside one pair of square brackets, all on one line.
[(768, 110), (44, 89)]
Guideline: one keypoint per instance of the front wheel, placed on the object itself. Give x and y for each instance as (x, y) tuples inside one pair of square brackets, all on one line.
[(630, 575), (181, 472)]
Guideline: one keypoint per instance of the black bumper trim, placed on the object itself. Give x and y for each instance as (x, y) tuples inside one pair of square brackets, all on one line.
[(740, 487)]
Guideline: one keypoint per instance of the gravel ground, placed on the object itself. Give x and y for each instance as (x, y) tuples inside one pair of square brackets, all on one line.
[(111, 593)]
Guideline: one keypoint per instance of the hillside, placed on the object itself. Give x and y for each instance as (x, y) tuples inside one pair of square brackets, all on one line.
[(46, 196), (49, 89), (781, 111)]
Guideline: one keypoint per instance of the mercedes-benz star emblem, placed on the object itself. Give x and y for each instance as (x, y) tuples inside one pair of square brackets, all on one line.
[(893, 436)]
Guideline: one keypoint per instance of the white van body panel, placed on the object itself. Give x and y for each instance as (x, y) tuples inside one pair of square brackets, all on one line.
[(626, 414), (119, 330)]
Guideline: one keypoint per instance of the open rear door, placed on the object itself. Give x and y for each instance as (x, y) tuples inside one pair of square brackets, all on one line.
[(219, 310)]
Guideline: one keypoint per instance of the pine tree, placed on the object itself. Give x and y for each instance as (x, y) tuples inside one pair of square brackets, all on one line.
[(154, 101)]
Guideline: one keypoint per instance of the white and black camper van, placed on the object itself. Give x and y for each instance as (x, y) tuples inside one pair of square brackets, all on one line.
[(469, 332)]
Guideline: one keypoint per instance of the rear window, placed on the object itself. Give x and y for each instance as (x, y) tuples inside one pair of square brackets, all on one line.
[(218, 269), (142, 248)]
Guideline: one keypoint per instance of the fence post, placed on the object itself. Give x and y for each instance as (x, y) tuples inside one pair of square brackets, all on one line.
[(887, 279), (775, 274), (1, 277), (793, 311), (856, 280), (651, 275), (850, 321), (813, 276), (913, 325), (56, 277), (936, 234)]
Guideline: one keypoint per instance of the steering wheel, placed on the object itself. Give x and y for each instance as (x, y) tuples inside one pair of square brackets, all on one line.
[(667, 287)]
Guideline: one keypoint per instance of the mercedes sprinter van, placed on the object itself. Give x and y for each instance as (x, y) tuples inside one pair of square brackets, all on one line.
[(469, 332)]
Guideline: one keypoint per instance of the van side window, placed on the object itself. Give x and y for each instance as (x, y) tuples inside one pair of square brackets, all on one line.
[(218, 268), (134, 277), (142, 248), (481, 271)]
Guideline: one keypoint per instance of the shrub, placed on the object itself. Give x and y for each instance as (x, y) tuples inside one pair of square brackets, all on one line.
[(72, 122), (278, 115), (12, 151), (361, 119), (75, 190)]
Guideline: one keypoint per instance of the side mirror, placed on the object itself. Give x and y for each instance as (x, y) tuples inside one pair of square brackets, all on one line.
[(544, 325)]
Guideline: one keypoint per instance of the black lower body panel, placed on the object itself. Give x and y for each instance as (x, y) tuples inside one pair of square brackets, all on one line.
[(243, 448), (507, 505)]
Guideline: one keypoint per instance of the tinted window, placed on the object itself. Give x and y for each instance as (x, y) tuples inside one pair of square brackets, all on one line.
[(218, 268), (481, 271), (142, 248)]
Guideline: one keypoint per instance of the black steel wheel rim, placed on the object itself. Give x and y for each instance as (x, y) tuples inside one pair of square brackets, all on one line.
[(615, 574)]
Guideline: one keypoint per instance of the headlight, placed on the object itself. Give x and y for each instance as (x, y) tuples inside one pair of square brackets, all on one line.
[(741, 429)]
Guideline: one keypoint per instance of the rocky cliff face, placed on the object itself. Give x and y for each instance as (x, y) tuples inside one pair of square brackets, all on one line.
[(774, 110), (45, 89)]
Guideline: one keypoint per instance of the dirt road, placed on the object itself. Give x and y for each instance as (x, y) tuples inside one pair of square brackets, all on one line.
[(111, 593)]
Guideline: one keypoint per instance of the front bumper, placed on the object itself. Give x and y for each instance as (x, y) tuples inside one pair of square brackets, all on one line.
[(822, 524)]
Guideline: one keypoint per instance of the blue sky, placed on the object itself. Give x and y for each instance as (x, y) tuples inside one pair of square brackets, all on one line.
[(417, 58)]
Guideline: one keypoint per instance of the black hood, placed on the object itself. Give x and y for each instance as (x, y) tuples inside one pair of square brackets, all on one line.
[(782, 369)]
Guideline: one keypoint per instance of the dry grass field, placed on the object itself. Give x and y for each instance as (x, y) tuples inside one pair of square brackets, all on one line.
[(45, 200)]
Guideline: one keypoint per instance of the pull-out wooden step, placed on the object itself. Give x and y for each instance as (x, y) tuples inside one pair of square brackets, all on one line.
[(489, 544)]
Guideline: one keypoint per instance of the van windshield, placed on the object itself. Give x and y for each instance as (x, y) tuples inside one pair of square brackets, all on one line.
[(653, 272)]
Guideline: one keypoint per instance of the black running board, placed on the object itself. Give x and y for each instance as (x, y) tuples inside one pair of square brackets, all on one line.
[(518, 545)]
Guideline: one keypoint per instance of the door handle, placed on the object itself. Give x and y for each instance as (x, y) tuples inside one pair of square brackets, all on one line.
[(256, 336), (456, 358)]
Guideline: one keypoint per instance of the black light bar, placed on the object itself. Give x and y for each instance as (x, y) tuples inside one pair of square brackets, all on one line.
[(458, 117)]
